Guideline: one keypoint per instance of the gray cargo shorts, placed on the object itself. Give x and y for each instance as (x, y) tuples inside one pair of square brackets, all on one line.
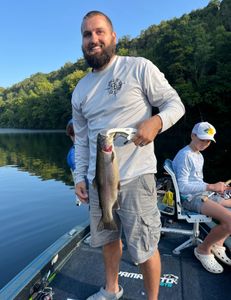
[(138, 215), (196, 203)]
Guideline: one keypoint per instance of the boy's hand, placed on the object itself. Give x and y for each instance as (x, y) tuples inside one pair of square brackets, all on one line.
[(218, 187)]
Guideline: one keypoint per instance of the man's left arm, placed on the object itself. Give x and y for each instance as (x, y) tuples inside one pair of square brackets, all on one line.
[(162, 95), (148, 130)]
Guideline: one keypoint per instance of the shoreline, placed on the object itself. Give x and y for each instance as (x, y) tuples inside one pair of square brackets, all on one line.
[(19, 130)]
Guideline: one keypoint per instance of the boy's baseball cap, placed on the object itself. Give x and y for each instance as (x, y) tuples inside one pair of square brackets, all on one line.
[(204, 131)]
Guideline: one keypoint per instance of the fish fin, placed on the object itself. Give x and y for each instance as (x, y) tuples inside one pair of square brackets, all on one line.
[(118, 186), (107, 226), (116, 205), (112, 156), (94, 183)]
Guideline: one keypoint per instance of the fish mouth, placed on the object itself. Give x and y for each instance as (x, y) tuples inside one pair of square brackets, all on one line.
[(107, 149)]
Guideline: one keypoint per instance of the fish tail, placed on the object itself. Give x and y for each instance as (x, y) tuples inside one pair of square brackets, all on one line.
[(107, 225)]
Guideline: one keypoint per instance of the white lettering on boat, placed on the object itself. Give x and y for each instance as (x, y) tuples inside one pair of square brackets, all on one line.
[(130, 275), (167, 280)]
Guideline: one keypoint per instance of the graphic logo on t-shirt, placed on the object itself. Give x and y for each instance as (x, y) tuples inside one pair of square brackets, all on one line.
[(114, 86)]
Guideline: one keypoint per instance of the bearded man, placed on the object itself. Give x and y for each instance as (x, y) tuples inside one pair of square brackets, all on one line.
[(120, 92)]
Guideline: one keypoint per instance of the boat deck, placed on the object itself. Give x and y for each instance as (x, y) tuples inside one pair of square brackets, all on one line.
[(183, 277)]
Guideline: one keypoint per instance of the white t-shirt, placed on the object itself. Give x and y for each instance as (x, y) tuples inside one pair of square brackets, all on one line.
[(121, 95), (188, 168)]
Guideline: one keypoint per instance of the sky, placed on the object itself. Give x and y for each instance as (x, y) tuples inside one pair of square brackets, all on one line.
[(43, 35)]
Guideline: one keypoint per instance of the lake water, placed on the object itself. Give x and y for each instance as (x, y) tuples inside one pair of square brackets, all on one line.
[(37, 202)]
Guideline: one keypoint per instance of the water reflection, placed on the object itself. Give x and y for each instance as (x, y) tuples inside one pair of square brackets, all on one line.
[(37, 196), (43, 153), (40, 153)]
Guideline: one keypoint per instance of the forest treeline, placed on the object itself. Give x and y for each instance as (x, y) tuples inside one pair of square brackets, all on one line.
[(194, 53)]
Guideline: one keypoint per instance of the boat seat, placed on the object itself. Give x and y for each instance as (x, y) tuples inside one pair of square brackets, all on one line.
[(183, 214)]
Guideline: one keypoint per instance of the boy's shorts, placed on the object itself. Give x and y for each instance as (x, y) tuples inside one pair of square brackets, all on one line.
[(196, 203), (138, 215)]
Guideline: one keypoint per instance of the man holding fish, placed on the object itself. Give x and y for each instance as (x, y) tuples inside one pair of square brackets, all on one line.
[(111, 100)]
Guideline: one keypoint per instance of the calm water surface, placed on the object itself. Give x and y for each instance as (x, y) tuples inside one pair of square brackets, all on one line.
[(37, 202)]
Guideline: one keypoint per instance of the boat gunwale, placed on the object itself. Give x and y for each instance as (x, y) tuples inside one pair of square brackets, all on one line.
[(21, 286)]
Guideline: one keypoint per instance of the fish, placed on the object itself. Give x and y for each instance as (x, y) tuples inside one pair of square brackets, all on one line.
[(107, 180)]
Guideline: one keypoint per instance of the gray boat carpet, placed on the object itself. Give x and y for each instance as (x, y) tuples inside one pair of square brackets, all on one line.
[(183, 277)]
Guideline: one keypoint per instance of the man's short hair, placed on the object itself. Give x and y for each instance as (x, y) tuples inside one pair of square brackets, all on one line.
[(93, 13)]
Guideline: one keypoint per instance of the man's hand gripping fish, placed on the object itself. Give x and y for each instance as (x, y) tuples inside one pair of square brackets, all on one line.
[(107, 178)]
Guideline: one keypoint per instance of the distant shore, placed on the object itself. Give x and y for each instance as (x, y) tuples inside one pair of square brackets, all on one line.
[(18, 130)]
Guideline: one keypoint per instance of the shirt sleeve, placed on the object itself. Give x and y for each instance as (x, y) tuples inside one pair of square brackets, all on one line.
[(188, 182), (81, 141), (162, 95)]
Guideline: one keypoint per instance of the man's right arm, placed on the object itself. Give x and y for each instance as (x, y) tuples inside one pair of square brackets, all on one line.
[(81, 149)]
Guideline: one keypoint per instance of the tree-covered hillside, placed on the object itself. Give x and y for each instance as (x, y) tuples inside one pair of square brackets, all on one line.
[(193, 51)]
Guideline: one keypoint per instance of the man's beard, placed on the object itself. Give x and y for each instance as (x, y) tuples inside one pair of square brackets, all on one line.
[(97, 61)]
